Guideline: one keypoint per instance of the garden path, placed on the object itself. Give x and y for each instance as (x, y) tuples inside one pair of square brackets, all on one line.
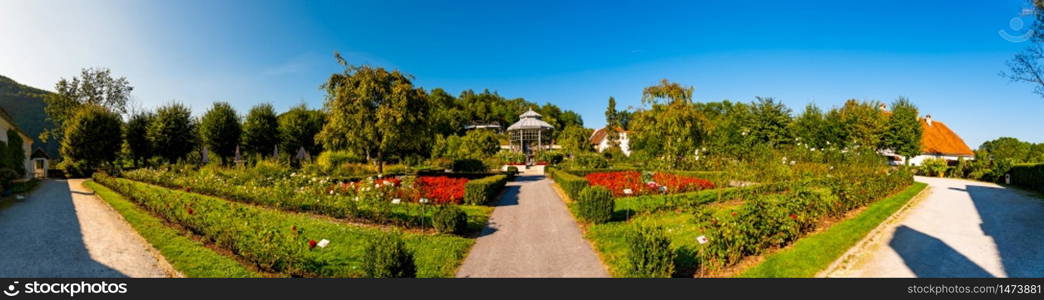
[(531, 234), (961, 229), (63, 230)]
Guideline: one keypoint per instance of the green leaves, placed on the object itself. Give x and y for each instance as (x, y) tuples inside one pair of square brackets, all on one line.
[(172, 132), (261, 130), (220, 130), (92, 137)]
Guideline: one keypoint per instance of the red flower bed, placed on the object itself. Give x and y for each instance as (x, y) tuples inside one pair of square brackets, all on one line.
[(619, 182), (441, 189)]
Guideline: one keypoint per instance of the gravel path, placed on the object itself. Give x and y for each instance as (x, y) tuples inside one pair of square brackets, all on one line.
[(531, 234), (962, 229), (63, 230)]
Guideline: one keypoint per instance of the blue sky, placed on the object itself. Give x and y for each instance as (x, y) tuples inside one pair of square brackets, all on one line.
[(943, 55)]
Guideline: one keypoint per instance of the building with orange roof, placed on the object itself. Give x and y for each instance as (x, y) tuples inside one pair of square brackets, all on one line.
[(937, 141), (600, 140)]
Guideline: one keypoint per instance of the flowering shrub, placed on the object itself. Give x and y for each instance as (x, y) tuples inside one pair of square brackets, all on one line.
[(629, 183)]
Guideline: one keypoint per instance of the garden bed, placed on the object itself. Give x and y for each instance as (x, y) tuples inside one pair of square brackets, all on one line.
[(283, 242)]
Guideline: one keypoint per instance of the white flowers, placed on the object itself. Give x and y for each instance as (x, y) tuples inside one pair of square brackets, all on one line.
[(424, 200), (628, 191), (323, 243), (702, 239), (663, 188), (396, 201)]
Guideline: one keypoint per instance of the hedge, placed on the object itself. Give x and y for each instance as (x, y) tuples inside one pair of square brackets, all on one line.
[(651, 203), (1030, 176), (596, 204), (485, 190), (571, 184), (283, 242)]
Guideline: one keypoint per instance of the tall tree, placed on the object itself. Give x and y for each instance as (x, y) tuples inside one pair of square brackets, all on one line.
[(810, 127), (374, 111), (903, 132), (671, 131), (864, 122), (92, 137), (770, 122), (172, 133), (137, 137), (261, 129), (220, 131), (611, 123), (93, 87), (298, 127), (575, 140)]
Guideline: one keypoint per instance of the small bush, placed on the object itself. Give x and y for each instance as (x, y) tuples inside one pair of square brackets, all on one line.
[(387, 257), (550, 157), (468, 166), (450, 219), (596, 204), (6, 176), (512, 171), (484, 190), (329, 160), (588, 161), (651, 255), (76, 169)]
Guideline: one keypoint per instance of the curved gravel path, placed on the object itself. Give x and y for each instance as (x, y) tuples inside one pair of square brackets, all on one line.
[(531, 234), (63, 230), (961, 229)]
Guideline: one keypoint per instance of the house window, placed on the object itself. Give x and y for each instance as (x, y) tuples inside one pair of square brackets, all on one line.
[(39, 164)]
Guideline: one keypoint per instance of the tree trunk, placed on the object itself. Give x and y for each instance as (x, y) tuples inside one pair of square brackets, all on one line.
[(380, 163)]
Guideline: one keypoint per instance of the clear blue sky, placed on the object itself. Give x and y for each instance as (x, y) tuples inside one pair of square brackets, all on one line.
[(943, 55)]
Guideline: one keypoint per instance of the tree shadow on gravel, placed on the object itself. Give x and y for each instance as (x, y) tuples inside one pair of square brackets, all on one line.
[(928, 256)]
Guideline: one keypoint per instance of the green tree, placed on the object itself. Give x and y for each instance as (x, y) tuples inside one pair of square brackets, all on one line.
[(92, 137), (374, 111), (137, 137), (261, 130), (479, 144), (864, 123), (298, 127), (172, 132), (810, 127), (1007, 149), (219, 130), (770, 122), (612, 121), (575, 140), (670, 131), (93, 87), (903, 132)]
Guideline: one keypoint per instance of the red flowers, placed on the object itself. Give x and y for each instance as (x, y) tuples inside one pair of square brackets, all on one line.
[(311, 244), (188, 189), (441, 189), (793, 216), (190, 211), (618, 182)]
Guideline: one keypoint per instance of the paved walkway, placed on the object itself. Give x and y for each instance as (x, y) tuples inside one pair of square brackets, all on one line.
[(531, 234), (961, 229), (62, 230)]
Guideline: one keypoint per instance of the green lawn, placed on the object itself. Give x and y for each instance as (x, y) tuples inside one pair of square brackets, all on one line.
[(816, 252), (610, 240), (188, 256)]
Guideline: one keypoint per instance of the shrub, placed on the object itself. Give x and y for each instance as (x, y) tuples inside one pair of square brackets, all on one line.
[(651, 255), (1028, 175), (328, 160), (512, 171), (588, 161), (934, 167), (468, 166), (6, 177), (550, 157), (571, 184), (387, 257), (484, 190), (76, 169), (596, 204), (509, 157), (450, 219)]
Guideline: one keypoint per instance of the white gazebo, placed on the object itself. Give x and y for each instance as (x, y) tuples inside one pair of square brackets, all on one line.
[(530, 134)]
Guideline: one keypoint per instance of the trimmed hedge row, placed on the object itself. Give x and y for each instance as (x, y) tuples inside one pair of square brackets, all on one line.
[(1030, 176), (284, 242), (485, 190), (596, 204), (692, 200), (571, 184)]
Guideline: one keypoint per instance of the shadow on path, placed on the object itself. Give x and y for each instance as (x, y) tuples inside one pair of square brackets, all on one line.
[(928, 256), (41, 237), (1016, 224)]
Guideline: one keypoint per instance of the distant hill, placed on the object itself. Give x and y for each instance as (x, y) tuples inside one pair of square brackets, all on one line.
[(26, 105)]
